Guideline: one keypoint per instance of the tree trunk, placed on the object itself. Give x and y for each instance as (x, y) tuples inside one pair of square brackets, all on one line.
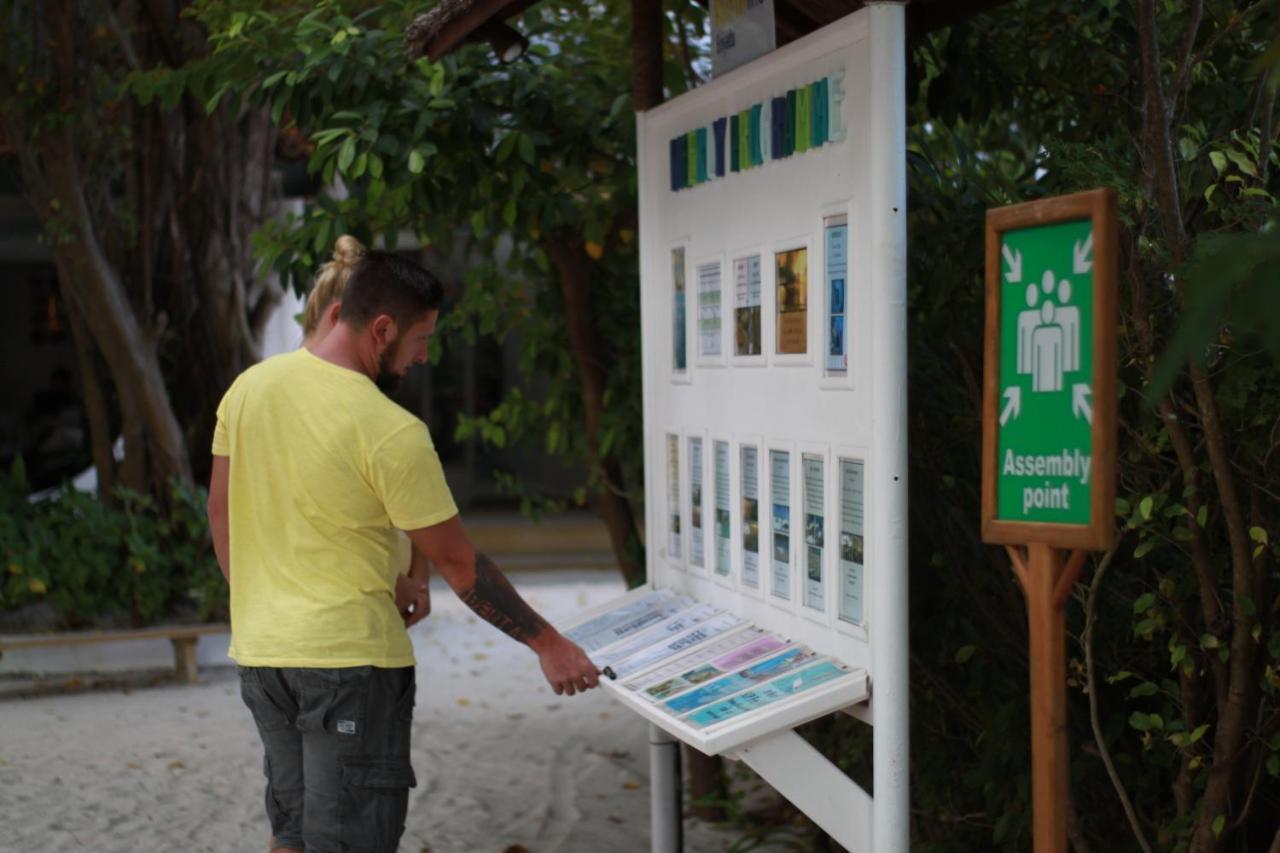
[(1220, 798), (97, 293), (151, 216), (97, 412), (646, 53), (708, 787), (574, 267)]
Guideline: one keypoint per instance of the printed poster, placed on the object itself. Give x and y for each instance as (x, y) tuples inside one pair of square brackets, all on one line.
[(669, 648), (696, 556), (793, 658), (750, 517), (709, 310), (814, 532), (674, 553), (629, 620), (678, 325), (758, 697), (741, 30), (721, 464), (852, 545), (792, 277), (688, 670), (673, 626), (668, 687), (746, 311), (780, 482), (837, 244)]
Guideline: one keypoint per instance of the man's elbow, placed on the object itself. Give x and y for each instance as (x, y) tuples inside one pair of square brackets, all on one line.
[(458, 566), (215, 511)]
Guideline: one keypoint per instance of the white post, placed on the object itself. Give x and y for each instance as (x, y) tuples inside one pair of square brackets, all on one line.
[(664, 792), (886, 126)]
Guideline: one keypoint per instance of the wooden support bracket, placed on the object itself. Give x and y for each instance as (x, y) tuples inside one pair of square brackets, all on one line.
[(1069, 577), (1018, 557)]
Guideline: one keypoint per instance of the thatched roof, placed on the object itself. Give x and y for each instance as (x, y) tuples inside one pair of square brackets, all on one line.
[(448, 24)]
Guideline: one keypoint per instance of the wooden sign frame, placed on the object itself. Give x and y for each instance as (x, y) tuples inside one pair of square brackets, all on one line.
[(1099, 206)]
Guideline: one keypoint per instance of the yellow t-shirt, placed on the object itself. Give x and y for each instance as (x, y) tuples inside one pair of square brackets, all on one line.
[(324, 470)]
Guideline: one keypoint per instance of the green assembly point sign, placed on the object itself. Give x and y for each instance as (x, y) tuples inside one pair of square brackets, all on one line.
[(1048, 398), (1045, 448)]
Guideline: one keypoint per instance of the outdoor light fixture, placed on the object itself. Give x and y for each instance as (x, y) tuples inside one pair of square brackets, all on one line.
[(508, 44)]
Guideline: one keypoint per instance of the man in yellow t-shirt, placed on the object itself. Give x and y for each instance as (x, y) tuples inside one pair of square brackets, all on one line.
[(314, 471)]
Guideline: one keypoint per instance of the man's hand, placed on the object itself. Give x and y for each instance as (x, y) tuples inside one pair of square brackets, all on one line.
[(566, 667), (413, 600)]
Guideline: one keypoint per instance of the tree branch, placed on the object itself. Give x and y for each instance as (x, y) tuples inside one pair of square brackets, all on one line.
[(1188, 42), (1090, 618), (1189, 65)]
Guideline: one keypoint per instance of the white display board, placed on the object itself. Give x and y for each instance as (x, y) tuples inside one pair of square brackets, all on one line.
[(772, 226), (776, 398)]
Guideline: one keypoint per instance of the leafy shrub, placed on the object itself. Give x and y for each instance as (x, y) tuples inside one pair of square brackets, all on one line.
[(134, 560)]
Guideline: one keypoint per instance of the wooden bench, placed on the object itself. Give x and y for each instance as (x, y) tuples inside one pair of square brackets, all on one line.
[(183, 637)]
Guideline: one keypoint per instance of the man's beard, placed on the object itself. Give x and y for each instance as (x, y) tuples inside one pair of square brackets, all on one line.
[(387, 379)]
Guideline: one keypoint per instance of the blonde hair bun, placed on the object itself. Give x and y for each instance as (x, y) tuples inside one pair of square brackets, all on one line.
[(331, 282), (347, 251)]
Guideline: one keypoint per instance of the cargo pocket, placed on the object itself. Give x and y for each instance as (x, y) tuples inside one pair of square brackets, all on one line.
[(284, 807), (334, 701), (267, 712), (375, 798), (408, 696)]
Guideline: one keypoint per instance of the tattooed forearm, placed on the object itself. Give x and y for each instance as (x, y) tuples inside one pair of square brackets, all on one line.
[(494, 600)]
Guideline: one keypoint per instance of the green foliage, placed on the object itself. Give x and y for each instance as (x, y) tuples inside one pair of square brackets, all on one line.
[(1031, 100), (89, 560), (509, 163)]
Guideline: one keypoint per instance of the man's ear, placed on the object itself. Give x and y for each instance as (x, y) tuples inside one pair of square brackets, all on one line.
[(384, 329)]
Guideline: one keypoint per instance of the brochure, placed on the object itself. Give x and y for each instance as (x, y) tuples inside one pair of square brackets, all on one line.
[(628, 620), (791, 659), (852, 544), (681, 621), (657, 653), (759, 697), (814, 532), (683, 666)]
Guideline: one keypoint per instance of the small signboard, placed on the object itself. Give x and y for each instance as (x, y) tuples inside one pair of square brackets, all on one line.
[(741, 30), (1048, 427)]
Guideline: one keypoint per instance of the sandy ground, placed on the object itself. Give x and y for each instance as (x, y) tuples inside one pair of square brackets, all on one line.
[(500, 759)]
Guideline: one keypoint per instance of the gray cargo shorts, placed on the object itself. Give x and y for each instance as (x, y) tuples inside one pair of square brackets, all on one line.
[(336, 754)]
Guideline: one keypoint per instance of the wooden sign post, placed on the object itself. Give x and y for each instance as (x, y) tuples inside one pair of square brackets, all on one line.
[(1048, 439)]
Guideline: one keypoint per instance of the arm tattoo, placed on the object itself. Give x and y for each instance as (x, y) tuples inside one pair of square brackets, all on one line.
[(494, 600)]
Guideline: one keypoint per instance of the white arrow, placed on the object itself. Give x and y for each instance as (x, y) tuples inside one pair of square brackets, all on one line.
[(1080, 394), (1014, 260), (1013, 406), (1081, 263)]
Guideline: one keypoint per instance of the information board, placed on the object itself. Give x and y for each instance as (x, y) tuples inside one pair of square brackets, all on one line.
[(777, 194), (787, 416)]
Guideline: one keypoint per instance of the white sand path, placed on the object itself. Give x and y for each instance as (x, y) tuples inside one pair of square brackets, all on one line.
[(500, 759)]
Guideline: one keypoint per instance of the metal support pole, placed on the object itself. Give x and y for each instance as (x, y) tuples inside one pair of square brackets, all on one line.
[(665, 800), (886, 128)]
